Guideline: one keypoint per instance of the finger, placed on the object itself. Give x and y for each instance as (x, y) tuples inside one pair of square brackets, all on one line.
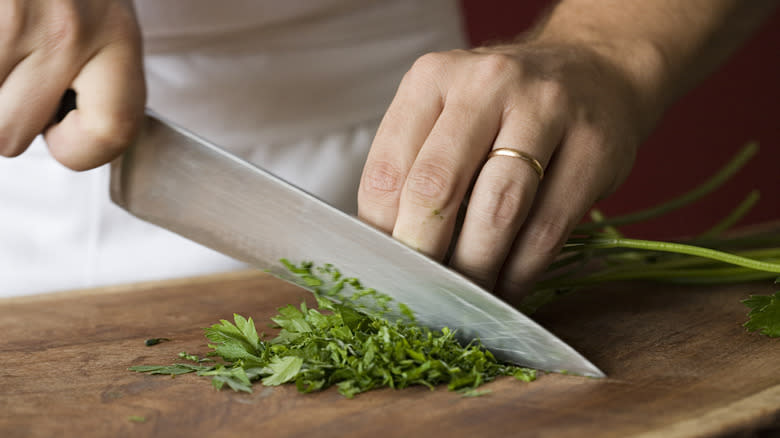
[(574, 182), (29, 97), (407, 122), (111, 95), (15, 43), (442, 173), (503, 194)]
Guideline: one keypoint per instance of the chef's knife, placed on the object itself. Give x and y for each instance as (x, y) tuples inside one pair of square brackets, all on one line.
[(172, 178)]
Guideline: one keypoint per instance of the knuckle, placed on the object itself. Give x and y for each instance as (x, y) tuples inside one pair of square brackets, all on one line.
[(427, 67), (547, 236), (478, 272), (121, 21), (7, 150), (112, 133), (70, 24), (500, 206), (10, 147), (553, 95), (64, 27), (381, 180), (496, 67), (432, 61), (431, 184)]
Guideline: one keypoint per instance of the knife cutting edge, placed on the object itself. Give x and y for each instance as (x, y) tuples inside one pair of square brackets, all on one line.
[(176, 180)]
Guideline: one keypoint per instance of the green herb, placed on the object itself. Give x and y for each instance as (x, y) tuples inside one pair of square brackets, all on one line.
[(283, 369), (193, 358), (764, 314), (173, 370), (601, 254), (155, 341), (717, 180), (527, 374), (137, 419), (342, 344)]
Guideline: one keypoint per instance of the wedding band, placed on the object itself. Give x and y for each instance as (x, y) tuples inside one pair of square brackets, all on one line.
[(514, 153)]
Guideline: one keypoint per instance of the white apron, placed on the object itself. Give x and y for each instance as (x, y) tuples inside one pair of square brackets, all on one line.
[(297, 87)]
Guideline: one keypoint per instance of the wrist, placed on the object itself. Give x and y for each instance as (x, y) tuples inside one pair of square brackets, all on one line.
[(642, 63)]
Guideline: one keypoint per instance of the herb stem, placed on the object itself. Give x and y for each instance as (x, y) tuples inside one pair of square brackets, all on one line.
[(677, 261), (738, 213), (765, 240), (598, 217), (679, 248), (707, 187), (699, 276)]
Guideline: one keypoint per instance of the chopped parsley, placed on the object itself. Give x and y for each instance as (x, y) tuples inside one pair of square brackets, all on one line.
[(154, 341), (342, 344)]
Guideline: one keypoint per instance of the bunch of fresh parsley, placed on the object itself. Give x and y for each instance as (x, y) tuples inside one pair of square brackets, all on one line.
[(599, 253)]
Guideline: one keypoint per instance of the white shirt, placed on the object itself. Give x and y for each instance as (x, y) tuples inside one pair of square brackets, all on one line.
[(289, 85)]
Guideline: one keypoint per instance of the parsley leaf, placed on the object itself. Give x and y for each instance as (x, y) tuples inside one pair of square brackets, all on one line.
[(173, 370), (284, 370), (764, 315), (235, 377), (247, 327), (292, 319)]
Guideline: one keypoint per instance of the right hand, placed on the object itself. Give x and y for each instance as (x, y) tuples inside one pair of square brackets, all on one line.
[(90, 46)]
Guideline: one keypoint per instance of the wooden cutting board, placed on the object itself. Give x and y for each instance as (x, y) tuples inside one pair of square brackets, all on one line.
[(678, 360)]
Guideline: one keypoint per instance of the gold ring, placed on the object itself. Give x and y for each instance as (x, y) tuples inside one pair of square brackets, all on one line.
[(514, 153)]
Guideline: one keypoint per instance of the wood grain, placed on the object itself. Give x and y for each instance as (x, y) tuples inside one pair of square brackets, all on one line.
[(679, 362)]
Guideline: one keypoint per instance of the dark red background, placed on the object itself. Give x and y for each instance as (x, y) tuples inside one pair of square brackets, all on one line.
[(698, 135)]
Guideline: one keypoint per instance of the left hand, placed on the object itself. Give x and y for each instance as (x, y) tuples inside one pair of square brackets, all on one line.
[(566, 105)]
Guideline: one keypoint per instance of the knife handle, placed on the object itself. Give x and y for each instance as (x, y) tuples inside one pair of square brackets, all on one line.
[(67, 104)]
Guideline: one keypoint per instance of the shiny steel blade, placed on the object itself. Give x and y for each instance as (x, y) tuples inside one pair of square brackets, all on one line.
[(178, 181)]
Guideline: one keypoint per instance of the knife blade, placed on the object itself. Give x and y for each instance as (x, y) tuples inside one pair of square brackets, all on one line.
[(179, 181)]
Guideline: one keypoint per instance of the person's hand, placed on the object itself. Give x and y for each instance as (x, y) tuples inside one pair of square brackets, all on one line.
[(567, 106), (90, 46)]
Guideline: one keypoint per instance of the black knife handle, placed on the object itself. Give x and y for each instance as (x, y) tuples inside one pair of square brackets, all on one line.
[(67, 104)]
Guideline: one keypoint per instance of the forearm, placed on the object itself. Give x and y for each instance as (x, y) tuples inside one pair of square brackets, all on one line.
[(666, 46)]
